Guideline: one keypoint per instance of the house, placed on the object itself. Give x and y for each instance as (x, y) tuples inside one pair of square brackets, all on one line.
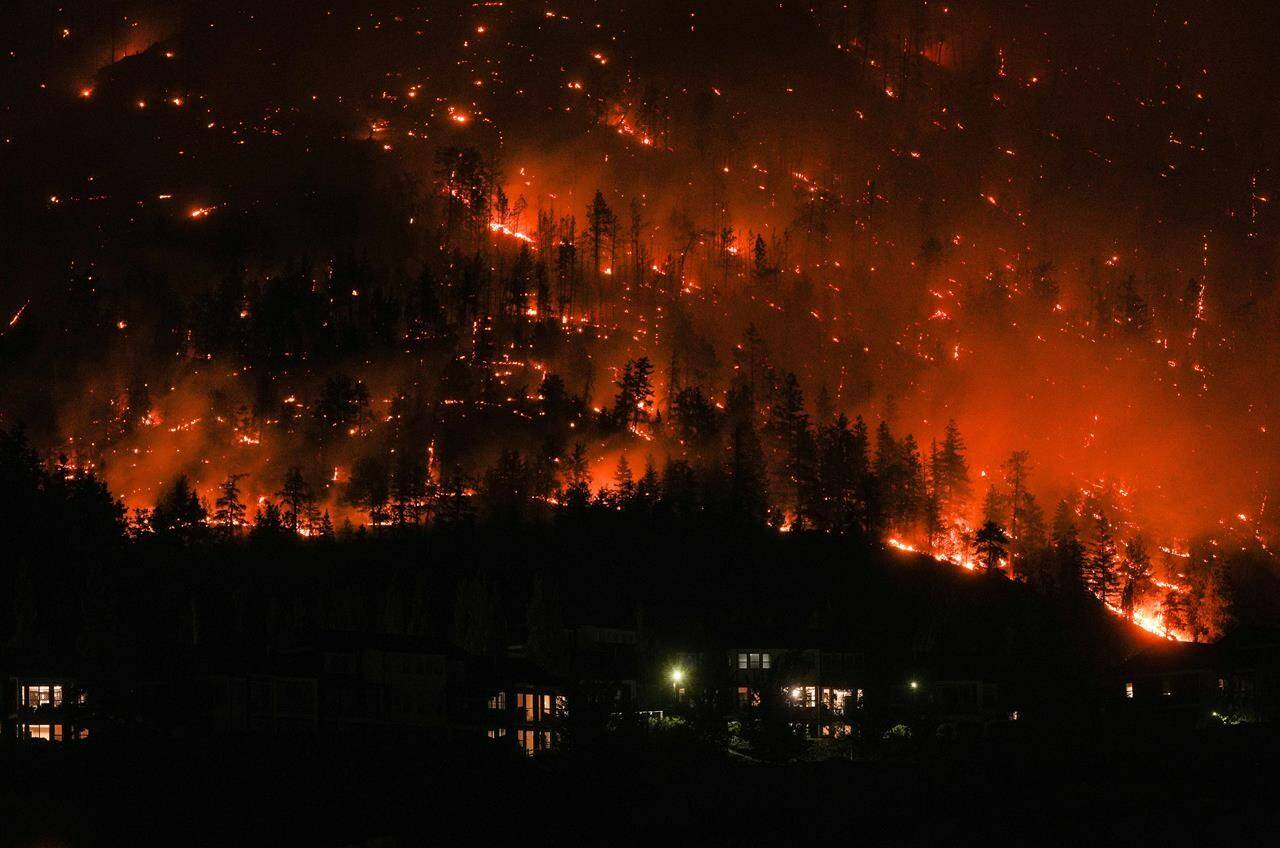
[(51, 708), (1235, 680), (822, 687), (336, 682), (1172, 683), (397, 683), (262, 702), (603, 666), (1248, 664), (526, 705)]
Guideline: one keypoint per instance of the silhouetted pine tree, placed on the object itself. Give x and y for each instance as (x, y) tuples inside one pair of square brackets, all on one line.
[(229, 511), (991, 546), (178, 512), (1137, 574), (297, 501), (1069, 554), (1101, 573)]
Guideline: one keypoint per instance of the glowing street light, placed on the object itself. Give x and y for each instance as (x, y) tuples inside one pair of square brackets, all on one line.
[(677, 678)]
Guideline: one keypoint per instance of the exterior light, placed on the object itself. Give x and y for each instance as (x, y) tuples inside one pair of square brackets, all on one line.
[(677, 675), (915, 685)]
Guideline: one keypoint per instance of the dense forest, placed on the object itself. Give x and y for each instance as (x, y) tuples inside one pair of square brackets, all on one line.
[(895, 275)]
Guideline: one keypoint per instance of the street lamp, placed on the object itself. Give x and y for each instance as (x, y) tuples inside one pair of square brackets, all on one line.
[(677, 678)]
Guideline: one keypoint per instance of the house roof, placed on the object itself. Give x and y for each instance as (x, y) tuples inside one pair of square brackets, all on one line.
[(1172, 657)]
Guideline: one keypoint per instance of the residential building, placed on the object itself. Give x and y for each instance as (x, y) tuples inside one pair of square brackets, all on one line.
[(48, 708)]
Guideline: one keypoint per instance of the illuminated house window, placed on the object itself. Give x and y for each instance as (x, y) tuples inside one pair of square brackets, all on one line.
[(40, 696), (498, 701), (752, 660), (526, 704), (1128, 690), (48, 732), (836, 699), (499, 733), (805, 696), (533, 741)]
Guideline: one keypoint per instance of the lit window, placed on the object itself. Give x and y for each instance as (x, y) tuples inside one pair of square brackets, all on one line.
[(48, 732), (764, 660), (498, 701), (1128, 690), (742, 660), (805, 696), (39, 696), (835, 699), (754, 660)]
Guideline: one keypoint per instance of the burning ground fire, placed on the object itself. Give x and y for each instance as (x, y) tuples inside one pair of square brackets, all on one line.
[(1149, 618)]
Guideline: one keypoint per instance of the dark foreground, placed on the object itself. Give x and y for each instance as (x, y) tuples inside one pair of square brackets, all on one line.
[(1217, 788)]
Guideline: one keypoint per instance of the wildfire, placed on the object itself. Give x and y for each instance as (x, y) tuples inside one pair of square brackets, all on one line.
[(1150, 619), (503, 229), (17, 316)]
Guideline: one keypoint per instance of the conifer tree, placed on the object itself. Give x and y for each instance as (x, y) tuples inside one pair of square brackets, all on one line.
[(1137, 574), (577, 492), (632, 404), (229, 511), (178, 512), (952, 473), (1101, 576), (991, 546), (1069, 553), (296, 499)]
